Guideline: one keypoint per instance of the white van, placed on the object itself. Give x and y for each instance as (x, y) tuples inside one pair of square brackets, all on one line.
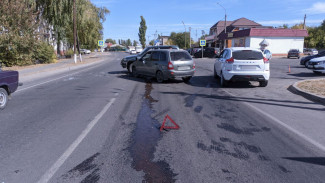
[(138, 49)]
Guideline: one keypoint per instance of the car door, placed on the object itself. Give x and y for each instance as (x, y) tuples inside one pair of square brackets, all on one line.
[(220, 61), (141, 64), (151, 65)]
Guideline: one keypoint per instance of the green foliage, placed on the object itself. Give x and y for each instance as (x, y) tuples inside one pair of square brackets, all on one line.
[(18, 22), (179, 39), (142, 32), (135, 43), (316, 38), (109, 40), (298, 26), (69, 52), (43, 53)]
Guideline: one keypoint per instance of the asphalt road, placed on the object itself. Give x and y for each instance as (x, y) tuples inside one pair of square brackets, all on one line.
[(98, 124)]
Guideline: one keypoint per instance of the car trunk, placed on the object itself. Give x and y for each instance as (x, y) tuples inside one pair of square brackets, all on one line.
[(248, 60), (181, 61)]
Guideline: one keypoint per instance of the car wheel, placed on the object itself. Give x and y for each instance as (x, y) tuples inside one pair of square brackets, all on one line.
[(288, 57), (128, 66), (215, 75), (134, 72), (159, 77), (3, 98), (223, 82), (186, 79), (298, 57), (306, 64), (263, 83)]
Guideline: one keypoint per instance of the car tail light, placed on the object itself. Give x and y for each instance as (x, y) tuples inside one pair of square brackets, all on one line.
[(170, 66), (231, 60), (193, 65), (265, 60), (215, 51)]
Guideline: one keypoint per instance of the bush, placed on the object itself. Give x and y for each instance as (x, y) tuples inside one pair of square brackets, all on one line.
[(69, 53), (44, 53)]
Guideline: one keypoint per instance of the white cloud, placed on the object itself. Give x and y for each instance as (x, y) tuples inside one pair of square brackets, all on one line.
[(317, 8)]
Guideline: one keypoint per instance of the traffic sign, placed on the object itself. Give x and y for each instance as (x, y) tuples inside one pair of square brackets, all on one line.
[(203, 42), (100, 42)]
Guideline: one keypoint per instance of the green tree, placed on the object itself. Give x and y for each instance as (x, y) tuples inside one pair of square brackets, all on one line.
[(142, 32), (152, 42), (128, 42), (298, 26), (18, 24), (135, 43), (109, 40), (179, 39)]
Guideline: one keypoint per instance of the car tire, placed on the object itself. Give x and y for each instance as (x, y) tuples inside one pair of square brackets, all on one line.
[(298, 57), (306, 64), (215, 75), (186, 79), (288, 57), (134, 72), (223, 82), (128, 66), (263, 83), (3, 98), (159, 77)]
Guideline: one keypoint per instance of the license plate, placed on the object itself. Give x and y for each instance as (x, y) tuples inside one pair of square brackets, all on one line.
[(248, 67), (182, 68)]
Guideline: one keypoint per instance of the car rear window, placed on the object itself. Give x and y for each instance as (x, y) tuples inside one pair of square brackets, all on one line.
[(247, 55), (177, 56)]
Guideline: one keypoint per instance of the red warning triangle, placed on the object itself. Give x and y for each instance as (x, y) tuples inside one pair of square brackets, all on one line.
[(176, 127)]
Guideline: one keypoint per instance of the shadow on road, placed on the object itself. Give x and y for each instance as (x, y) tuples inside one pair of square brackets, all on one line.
[(311, 160)]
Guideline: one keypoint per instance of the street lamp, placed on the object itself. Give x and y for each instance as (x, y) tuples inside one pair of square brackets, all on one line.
[(224, 46), (184, 34)]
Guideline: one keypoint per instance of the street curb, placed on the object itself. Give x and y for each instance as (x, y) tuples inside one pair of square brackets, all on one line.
[(310, 96)]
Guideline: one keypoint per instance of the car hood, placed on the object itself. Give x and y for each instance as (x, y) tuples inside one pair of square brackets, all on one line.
[(132, 57), (318, 59)]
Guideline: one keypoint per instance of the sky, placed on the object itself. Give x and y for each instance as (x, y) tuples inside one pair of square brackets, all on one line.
[(166, 16)]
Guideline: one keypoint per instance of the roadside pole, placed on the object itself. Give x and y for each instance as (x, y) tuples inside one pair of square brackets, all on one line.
[(74, 31), (202, 43)]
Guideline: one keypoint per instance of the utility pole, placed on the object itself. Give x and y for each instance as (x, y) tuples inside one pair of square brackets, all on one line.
[(189, 30), (196, 35), (305, 21), (184, 34), (148, 40), (224, 45), (74, 31)]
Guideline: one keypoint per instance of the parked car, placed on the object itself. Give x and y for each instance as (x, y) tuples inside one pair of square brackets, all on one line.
[(310, 51), (304, 60), (85, 51), (138, 49), (207, 52), (294, 53), (267, 54), (127, 61), (133, 51), (242, 64), (8, 85), (317, 65), (165, 64)]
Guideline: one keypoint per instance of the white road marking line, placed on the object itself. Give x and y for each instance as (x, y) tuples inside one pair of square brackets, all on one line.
[(301, 135), (54, 168), (19, 90)]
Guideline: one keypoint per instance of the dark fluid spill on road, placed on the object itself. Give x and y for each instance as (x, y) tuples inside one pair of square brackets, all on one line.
[(145, 138)]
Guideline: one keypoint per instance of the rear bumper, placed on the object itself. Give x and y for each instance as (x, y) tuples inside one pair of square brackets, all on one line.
[(179, 74), (245, 76)]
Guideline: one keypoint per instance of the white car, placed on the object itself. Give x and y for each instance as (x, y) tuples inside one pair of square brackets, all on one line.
[(242, 64), (133, 52), (317, 65), (138, 49)]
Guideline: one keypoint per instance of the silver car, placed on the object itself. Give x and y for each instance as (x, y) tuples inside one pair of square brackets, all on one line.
[(164, 65)]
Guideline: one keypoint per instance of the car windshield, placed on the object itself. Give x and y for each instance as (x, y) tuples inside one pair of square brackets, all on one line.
[(247, 55), (180, 56)]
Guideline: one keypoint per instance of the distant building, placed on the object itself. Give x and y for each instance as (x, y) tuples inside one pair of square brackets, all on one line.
[(280, 40), (164, 40), (247, 33)]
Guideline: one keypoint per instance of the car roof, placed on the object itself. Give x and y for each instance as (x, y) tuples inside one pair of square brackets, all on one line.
[(243, 48)]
